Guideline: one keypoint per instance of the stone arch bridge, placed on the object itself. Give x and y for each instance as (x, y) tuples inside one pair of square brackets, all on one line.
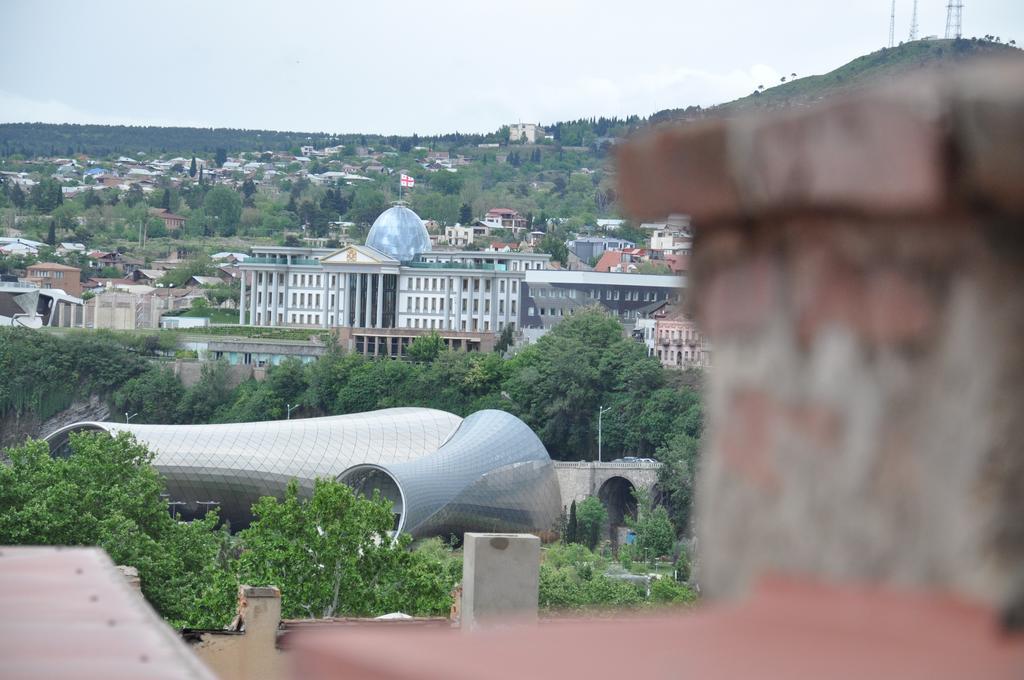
[(613, 483)]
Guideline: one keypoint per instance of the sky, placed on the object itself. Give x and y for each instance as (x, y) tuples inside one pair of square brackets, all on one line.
[(398, 67)]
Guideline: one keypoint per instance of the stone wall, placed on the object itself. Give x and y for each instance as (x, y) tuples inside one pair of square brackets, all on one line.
[(859, 267)]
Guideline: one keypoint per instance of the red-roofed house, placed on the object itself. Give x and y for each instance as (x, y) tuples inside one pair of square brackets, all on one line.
[(171, 221), (504, 218)]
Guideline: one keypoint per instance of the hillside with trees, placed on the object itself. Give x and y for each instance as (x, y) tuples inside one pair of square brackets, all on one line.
[(880, 67)]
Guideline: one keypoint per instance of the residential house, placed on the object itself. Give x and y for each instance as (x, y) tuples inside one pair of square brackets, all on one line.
[(66, 247), (504, 218), (148, 276), (588, 248), (678, 342), (460, 236), (171, 221), (53, 275), (16, 245)]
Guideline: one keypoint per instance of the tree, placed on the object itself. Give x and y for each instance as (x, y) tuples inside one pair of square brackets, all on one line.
[(331, 555), (591, 518), (155, 396), (224, 206), (106, 493), (655, 534), (505, 340), (92, 199), (16, 195), (192, 167), (51, 233), (465, 214), (135, 196), (248, 191), (572, 526), (165, 200), (46, 195), (221, 157), (425, 348), (366, 205), (555, 247)]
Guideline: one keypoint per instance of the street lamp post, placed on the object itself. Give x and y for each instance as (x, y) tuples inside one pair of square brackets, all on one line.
[(600, 414), (290, 409), (128, 418)]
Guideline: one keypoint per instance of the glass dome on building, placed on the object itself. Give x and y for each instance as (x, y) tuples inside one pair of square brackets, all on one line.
[(399, 232)]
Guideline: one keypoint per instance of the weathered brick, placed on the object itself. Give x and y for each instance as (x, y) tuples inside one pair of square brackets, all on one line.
[(686, 168)]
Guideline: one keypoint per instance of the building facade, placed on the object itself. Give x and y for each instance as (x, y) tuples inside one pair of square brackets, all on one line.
[(387, 292), (551, 295), (679, 344), (53, 275)]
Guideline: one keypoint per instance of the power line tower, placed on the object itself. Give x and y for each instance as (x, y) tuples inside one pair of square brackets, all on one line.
[(913, 23), (892, 22), (954, 19)]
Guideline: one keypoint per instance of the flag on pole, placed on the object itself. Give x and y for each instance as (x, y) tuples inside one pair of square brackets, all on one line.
[(408, 181)]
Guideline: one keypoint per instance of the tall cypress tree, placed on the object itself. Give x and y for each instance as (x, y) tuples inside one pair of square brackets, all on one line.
[(192, 168), (165, 201), (572, 528), (51, 234)]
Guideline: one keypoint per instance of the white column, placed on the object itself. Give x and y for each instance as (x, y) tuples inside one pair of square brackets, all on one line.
[(241, 301), (252, 300), (287, 293), (273, 302), (326, 302), (265, 290), (458, 303), (342, 313), (380, 300), (359, 302), (448, 301), (494, 305)]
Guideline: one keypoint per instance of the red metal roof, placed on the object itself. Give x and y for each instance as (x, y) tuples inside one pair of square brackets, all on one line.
[(787, 630), (68, 613)]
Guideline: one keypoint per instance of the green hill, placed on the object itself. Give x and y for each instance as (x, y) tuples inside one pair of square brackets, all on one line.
[(885, 65)]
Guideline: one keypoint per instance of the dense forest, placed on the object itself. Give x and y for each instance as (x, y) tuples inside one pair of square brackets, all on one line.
[(30, 140)]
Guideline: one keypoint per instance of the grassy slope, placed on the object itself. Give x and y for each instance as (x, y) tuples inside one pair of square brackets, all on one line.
[(878, 67)]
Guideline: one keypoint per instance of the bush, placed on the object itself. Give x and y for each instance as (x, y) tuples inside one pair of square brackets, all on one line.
[(667, 591)]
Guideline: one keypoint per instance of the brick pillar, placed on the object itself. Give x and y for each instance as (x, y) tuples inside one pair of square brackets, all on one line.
[(859, 267)]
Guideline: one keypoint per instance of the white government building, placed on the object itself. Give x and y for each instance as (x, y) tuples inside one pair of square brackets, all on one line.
[(378, 297), (382, 295)]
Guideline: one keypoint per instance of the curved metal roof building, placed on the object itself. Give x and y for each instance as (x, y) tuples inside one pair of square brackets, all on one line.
[(444, 474), (492, 474), (399, 232)]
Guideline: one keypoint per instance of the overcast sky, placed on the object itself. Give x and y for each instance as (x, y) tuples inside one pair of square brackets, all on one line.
[(393, 66)]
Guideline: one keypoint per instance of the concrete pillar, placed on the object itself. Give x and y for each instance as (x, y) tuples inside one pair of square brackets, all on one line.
[(862, 422), (500, 579), (241, 300)]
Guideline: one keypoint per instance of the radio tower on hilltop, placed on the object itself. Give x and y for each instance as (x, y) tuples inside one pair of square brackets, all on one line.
[(892, 21), (913, 24), (954, 19)]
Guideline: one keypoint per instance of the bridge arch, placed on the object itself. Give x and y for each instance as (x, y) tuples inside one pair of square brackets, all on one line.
[(616, 493)]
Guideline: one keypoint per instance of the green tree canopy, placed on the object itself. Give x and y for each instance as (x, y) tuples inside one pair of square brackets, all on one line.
[(591, 520), (224, 207), (332, 555)]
